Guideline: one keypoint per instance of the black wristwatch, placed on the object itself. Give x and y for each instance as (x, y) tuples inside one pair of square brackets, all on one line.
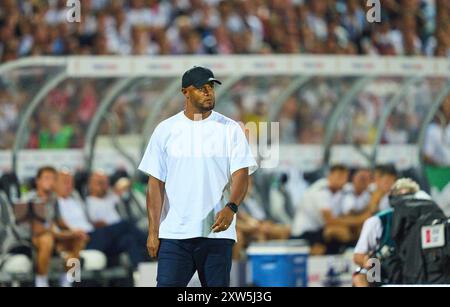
[(233, 207)]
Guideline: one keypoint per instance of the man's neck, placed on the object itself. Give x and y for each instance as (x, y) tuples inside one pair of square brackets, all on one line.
[(43, 195), (98, 196), (359, 193), (334, 190), (64, 196), (196, 115)]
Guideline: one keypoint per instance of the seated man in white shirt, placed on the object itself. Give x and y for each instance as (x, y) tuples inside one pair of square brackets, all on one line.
[(356, 195), (345, 220), (112, 240), (102, 208), (341, 222), (101, 203), (309, 221), (45, 226)]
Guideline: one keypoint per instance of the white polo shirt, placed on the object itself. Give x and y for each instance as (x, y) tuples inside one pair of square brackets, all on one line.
[(350, 202), (370, 236), (309, 216), (103, 209), (73, 214), (196, 159)]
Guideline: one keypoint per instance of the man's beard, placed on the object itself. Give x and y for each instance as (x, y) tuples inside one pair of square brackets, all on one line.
[(102, 194), (203, 109)]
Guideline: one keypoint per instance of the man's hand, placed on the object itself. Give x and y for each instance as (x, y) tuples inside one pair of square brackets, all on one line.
[(100, 224), (375, 201), (81, 235), (223, 220), (367, 265), (153, 244)]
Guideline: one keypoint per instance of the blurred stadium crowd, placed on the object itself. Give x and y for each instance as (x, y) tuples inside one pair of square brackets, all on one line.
[(220, 27), (301, 117), (147, 27)]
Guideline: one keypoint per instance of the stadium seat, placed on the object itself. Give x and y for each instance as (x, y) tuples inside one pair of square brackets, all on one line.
[(93, 260), (17, 267), (10, 185)]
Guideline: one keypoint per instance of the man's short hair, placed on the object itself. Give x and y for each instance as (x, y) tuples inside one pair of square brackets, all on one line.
[(44, 169), (387, 169), (404, 186), (354, 171), (339, 168)]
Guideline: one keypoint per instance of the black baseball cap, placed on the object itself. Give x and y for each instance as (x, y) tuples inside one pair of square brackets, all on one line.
[(198, 76)]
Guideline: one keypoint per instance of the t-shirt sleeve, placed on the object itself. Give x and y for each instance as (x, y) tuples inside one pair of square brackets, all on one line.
[(370, 234), (92, 210), (240, 153), (153, 162)]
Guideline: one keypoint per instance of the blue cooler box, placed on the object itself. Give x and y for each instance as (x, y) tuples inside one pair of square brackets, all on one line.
[(278, 265)]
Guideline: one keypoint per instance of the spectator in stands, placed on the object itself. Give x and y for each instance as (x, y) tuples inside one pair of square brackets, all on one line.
[(309, 221), (212, 27), (9, 113), (49, 230), (224, 27), (88, 103), (437, 139), (56, 135), (111, 240)]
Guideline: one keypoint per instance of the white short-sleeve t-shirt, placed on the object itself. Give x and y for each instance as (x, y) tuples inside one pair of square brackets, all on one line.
[(350, 202), (103, 209), (437, 143), (370, 236), (309, 216), (73, 214), (196, 159)]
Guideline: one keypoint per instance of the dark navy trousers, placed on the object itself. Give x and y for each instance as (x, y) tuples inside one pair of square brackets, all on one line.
[(179, 259)]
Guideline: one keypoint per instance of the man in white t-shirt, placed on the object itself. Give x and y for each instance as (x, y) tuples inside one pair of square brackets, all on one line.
[(437, 140), (343, 221), (112, 240), (198, 163), (101, 205), (309, 221), (356, 195)]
